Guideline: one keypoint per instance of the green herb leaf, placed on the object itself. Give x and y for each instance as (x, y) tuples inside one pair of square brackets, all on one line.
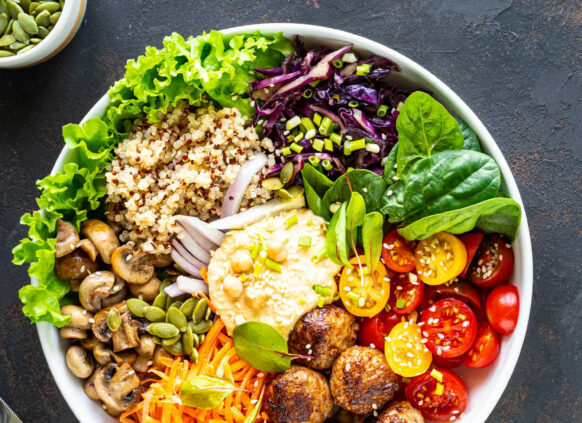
[(365, 182), (372, 238), (205, 392), (424, 128), (470, 140), (262, 346), (355, 212), (315, 202), (389, 175), (318, 181)]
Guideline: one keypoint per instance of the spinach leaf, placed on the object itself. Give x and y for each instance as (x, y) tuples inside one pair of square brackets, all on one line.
[(354, 218), (367, 183), (497, 215), (262, 346), (206, 391), (390, 173), (372, 238), (318, 181), (424, 128), (315, 202), (336, 241), (445, 181), (471, 142)]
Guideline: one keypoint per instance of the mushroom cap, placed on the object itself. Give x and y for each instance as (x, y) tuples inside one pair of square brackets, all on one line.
[(118, 387), (99, 326), (102, 236), (116, 295), (94, 288), (146, 346), (79, 361), (87, 246), (131, 266), (67, 238), (127, 335), (89, 387), (102, 353), (147, 291), (161, 260), (79, 316), (72, 333), (75, 265)]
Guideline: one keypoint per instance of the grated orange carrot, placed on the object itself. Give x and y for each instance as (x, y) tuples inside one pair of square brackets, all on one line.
[(204, 274), (161, 401)]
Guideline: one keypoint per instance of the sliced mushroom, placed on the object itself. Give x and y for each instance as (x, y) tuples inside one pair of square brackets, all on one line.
[(118, 387), (131, 266), (87, 246), (142, 363), (79, 361), (102, 353), (117, 294), (89, 387), (102, 236), (126, 336), (99, 327), (80, 318), (75, 265), (147, 291), (146, 346), (72, 333), (159, 353), (89, 343), (67, 238), (75, 285), (94, 288), (161, 260), (127, 356)]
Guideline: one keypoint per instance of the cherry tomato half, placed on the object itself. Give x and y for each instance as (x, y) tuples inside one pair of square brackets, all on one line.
[(396, 253), (459, 289), (502, 307), (373, 330), (362, 294), (440, 258), (438, 400), (485, 350), (450, 327), (472, 241), (406, 292), (448, 363), (405, 353), (492, 264)]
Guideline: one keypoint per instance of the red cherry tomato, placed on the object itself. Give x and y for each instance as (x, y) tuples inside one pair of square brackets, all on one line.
[(396, 253), (502, 307), (374, 329), (448, 363), (485, 350), (450, 327), (472, 241), (460, 290), (438, 400), (492, 264), (406, 292)]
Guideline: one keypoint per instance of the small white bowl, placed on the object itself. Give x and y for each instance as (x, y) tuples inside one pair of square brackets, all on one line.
[(485, 386), (63, 32)]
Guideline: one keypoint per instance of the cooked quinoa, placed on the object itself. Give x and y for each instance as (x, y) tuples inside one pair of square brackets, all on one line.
[(181, 165)]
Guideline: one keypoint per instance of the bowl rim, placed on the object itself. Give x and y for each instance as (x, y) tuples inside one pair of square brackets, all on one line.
[(48, 334)]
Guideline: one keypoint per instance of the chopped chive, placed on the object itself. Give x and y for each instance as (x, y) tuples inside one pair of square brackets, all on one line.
[(296, 147), (304, 241), (437, 375), (319, 255), (439, 389), (349, 58), (382, 110), (328, 144), (255, 251), (273, 265), (286, 151), (335, 97), (290, 138), (325, 126), (262, 240), (293, 123), (292, 220), (307, 93), (373, 148), (347, 148), (301, 301), (326, 164), (357, 144), (334, 207), (307, 123), (310, 134), (353, 296), (338, 63), (314, 160), (314, 83), (298, 136), (399, 107), (317, 118), (243, 277), (262, 256), (336, 296), (318, 145), (324, 291), (335, 137), (363, 69), (400, 303), (257, 269), (353, 103), (321, 302)]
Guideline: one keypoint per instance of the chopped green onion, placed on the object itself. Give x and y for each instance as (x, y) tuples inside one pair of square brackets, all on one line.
[(292, 220), (358, 144), (363, 69), (353, 296), (439, 389), (335, 137), (317, 118), (347, 148), (286, 151), (387, 307), (301, 301), (382, 110), (324, 291), (307, 123), (399, 107), (290, 138), (334, 207), (307, 93), (319, 255), (325, 126), (373, 148), (314, 160), (273, 265), (335, 97), (243, 277), (317, 145), (400, 303), (304, 241), (262, 256), (310, 134), (336, 296), (257, 269), (326, 164), (262, 240), (298, 136), (296, 147), (314, 83), (437, 375), (328, 144), (321, 302), (349, 58), (255, 251), (353, 103), (294, 122), (338, 63)]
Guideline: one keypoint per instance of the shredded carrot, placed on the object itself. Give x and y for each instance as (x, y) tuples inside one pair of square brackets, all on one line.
[(162, 402), (204, 274)]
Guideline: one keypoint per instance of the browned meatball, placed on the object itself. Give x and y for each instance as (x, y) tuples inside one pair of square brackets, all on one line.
[(324, 333), (299, 395), (361, 380), (400, 412)]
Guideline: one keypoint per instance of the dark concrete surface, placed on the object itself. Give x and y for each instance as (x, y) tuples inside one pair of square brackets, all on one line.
[(516, 63)]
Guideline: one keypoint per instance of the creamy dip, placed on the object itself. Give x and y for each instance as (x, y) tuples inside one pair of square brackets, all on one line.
[(241, 293)]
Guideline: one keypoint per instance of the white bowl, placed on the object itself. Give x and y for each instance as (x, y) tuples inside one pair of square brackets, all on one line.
[(485, 386), (63, 32)]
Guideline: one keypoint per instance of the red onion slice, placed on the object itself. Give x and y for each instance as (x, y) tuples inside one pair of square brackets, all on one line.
[(237, 189), (185, 253), (203, 234), (191, 285), (194, 247), (185, 264), (275, 80)]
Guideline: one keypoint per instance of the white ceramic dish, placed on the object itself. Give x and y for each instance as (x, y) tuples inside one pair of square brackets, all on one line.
[(485, 386), (63, 32)]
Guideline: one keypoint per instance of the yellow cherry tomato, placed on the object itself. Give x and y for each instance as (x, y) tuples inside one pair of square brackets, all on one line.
[(406, 355), (363, 295), (440, 258)]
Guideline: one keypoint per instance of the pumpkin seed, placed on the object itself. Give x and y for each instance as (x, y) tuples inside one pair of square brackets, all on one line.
[(272, 183), (135, 305), (7, 39), (157, 340), (177, 318), (17, 45), (195, 339), (27, 23), (3, 22), (188, 341), (188, 307), (49, 6), (55, 17), (25, 49), (13, 8), (32, 7), (154, 314), (20, 34), (43, 18), (202, 338), (175, 349), (114, 319), (286, 173), (35, 40), (25, 4), (175, 304), (4, 53), (170, 341), (290, 193), (194, 356), (8, 29), (200, 310), (42, 31), (163, 330), (160, 300), (200, 327), (3, 8), (208, 313)]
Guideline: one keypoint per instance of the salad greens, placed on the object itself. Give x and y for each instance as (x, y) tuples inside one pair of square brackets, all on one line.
[(372, 238), (470, 140), (367, 183), (206, 392)]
